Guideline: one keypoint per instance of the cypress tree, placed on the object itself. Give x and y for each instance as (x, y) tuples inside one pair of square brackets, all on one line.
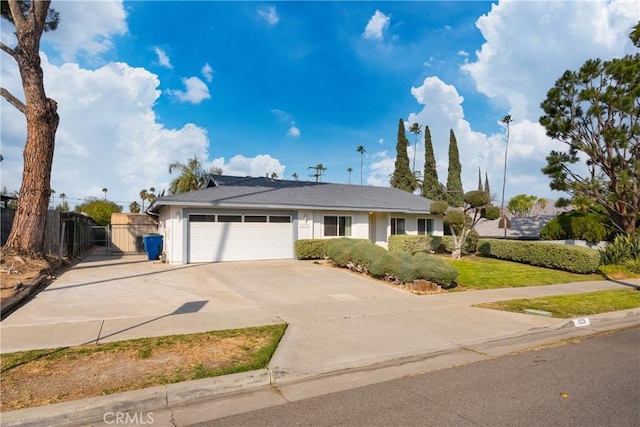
[(431, 187), (479, 180), (455, 192), (402, 177), (486, 184)]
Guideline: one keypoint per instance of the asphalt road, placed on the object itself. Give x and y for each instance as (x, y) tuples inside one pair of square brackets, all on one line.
[(595, 382)]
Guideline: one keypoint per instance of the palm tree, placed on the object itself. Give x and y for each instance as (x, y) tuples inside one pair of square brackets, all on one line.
[(104, 190), (144, 195), (151, 195), (294, 176), (192, 176), (349, 170), (134, 207), (361, 150), (417, 130), (504, 221)]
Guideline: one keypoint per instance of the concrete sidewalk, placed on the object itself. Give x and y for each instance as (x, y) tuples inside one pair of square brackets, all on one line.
[(339, 323)]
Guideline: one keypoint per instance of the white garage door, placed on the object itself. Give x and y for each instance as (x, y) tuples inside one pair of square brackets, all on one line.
[(236, 237)]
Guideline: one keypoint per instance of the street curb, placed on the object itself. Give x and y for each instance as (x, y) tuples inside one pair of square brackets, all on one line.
[(94, 409), (154, 398)]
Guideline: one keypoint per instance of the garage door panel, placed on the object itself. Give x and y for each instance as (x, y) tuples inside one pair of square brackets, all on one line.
[(235, 241)]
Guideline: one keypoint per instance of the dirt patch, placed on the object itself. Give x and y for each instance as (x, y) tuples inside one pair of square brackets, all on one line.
[(18, 271), (51, 376)]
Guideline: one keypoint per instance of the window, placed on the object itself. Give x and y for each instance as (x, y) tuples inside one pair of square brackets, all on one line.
[(337, 226), (229, 218), (279, 218), (202, 218), (425, 226), (255, 218), (397, 226)]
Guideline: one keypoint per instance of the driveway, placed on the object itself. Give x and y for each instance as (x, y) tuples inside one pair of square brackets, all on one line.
[(336, 319)]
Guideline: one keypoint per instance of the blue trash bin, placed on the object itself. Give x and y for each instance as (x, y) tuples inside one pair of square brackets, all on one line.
[(152, 245)]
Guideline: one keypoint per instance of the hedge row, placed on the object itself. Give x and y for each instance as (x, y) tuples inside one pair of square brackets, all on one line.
[(561, 257), (310, 248), (412, 244), (381, 263)]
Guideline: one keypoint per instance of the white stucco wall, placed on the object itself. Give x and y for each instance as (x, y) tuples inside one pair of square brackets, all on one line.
[(170, 225)]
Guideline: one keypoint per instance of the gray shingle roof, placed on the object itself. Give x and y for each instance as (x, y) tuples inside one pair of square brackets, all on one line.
[(521, 227), (237, 192)]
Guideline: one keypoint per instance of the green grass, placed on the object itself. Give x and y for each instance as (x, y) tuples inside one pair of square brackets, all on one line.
[(144, 348), (477, 272), (568, 306)]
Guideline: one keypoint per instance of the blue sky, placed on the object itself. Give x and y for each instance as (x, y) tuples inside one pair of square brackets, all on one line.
[(262, 87)]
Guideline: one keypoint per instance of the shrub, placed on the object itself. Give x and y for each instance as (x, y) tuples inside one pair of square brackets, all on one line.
[(576, 225), (310, 248), (410, 244), (406, 268), (365, 253), (438, 207), (623, 248), (491, 212), (561, 257)]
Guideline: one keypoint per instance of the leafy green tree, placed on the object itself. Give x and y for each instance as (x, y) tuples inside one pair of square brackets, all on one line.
[(99, 210), (595, 112), (191, 176), (31, 19), (524, 205), (361, 150), (455, 193), (134, 207), (589, 226), (402, 177), (462, 222), (431, 186)]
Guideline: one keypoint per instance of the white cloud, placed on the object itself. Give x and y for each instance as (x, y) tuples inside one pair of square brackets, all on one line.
[(380, 169), (285, 117), (163, 58), (86, 28), (269, 14), (294, 132), (196, 91), (376, 26), (530, 44), (109, 135), (443, 110), (207, 72), (260, 165)]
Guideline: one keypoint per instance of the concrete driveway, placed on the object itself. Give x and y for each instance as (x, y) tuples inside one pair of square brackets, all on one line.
[(336, 319)]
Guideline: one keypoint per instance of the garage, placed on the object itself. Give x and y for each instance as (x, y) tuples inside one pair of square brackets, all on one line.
[(225, 236)]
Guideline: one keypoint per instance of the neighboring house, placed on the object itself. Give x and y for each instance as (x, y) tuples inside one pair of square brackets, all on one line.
[(244, 218), (527, 227)]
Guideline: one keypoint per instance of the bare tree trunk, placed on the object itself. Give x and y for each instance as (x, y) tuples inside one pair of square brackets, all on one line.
[(28, 230)]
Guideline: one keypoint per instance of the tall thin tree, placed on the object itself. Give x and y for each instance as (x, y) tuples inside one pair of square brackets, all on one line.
[(31, 19), (402, 177), (361, 150), (349, 171), (431, 187), (455, 193)]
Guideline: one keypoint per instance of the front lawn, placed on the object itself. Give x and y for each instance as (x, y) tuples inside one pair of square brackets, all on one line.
[(568, 306), (477, 272), (41, 377)]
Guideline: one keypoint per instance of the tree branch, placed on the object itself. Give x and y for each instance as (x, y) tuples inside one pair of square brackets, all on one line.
[(16, 13), (7, 49), (13, 100)]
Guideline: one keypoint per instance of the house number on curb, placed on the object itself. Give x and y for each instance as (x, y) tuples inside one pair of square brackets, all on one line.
[(582, 321)]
